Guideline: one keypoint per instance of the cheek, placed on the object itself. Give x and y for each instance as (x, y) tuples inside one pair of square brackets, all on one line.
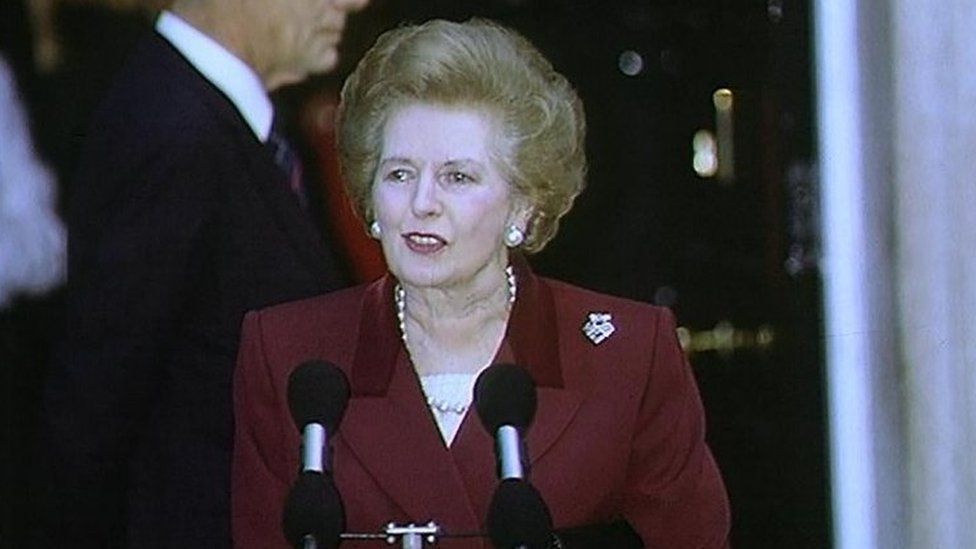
[(384, 203), (296, 39), (486, 226), (285, 43)]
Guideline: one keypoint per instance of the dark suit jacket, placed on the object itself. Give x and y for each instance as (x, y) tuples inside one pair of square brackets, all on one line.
[(619, 431), (180, 222)]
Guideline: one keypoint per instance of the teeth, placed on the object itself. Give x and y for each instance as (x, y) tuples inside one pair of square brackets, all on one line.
[(425, 240)]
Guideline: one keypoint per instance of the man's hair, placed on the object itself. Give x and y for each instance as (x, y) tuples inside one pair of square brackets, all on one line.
[(536, 115)]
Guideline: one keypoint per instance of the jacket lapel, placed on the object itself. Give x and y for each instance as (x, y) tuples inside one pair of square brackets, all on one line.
[(531, 341), (389, 429), (288, 214), (533, 332), (268, 179), (397, 443), (473, 450), (473, 454)]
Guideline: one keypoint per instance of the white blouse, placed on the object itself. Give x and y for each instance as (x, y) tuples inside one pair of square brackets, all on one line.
[(449, 397)]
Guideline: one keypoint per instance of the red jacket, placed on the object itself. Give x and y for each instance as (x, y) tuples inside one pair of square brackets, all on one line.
[(619, 431)]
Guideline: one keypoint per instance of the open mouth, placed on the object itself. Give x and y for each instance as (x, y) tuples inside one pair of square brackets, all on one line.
[(424, 242)]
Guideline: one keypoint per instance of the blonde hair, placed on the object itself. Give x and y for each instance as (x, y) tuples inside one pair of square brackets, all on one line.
[(481, 65)]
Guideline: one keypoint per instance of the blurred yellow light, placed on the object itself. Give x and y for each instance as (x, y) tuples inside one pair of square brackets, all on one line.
[(722, 99)]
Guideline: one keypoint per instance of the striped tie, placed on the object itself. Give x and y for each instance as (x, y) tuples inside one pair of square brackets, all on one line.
[(289, 163)]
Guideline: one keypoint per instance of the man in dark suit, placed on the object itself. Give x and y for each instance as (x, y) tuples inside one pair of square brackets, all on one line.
[(186, 213)]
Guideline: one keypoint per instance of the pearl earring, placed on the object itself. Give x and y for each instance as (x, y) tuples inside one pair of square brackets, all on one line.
[(375, 230), (514, 236)]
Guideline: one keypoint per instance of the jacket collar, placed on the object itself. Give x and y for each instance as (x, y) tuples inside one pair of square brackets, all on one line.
[(390, 431), (531, 334)]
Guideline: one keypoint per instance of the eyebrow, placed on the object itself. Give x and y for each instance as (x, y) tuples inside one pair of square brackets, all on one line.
[(462, 162), (395, 160), (451, 163)]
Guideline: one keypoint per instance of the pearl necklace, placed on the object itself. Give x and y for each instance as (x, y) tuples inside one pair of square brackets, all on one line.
[(400, 300), (447, 407)]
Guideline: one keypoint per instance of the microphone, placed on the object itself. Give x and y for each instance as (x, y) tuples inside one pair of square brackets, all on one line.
[(313, 516), (518, 516), (504, 396), (317, 396)]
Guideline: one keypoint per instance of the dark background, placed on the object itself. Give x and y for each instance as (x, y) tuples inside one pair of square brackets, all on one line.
[(647, 227)]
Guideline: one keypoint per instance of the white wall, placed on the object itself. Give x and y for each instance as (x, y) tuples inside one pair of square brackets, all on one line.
[(896, 89)]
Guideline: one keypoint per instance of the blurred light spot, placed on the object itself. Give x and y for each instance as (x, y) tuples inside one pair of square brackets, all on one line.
[(684, 338), (724, 134), (722, 98), (705, 158), (724, 337), (774, 10), (765, 336), (630, 63)]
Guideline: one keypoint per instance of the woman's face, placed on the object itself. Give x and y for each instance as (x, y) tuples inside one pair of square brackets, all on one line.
[(440, 202)]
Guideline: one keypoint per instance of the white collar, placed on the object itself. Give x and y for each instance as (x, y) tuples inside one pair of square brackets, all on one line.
[(223, 69)]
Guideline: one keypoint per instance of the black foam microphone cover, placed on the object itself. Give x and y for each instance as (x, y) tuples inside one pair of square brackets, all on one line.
[(318, 393), (313, 508), (504, 394), (618, 534), (518, 516)]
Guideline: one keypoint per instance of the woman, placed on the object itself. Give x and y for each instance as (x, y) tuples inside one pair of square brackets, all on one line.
[(462, 148)]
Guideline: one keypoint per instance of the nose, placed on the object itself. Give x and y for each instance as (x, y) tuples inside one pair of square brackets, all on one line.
[(351, 5), (426, 200)]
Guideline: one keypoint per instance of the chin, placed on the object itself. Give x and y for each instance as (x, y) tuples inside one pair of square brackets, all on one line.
[(324, 61), (421, 278), (425, 280), (283, 80)]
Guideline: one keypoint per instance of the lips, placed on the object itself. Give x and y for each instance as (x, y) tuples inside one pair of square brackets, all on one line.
[(424, 243)]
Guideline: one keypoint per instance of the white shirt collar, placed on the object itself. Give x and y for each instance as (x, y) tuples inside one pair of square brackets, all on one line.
[(229, 74)]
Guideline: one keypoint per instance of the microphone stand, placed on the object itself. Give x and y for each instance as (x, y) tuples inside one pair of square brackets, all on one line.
[(411, 535)]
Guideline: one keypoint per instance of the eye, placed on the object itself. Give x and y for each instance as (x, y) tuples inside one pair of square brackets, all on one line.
[(397, 175), (458, 177)]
